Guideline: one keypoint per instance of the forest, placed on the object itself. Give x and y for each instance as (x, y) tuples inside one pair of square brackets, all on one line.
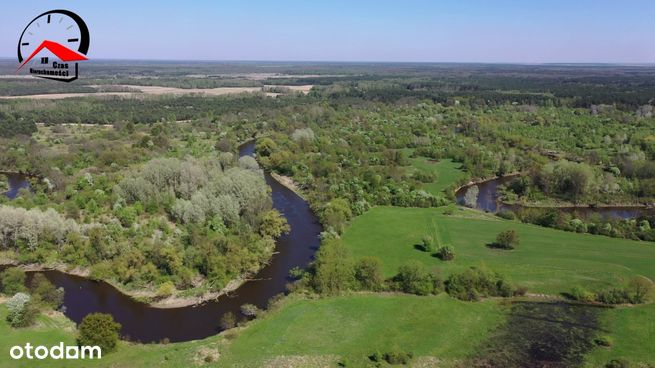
[(149, 194)]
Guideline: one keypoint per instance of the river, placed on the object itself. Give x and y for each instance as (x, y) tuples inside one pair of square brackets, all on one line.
[(488, 202), (147, 324)]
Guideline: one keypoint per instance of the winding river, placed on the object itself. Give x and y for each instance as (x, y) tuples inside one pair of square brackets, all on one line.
[(488, 201), (147, 324)]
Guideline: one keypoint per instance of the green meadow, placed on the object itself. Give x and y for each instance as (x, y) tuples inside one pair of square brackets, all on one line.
[(309, 332), (546, 261), (446, 171), (346, 329)]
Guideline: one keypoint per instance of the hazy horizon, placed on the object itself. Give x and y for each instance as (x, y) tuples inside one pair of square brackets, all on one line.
[(416, 31)]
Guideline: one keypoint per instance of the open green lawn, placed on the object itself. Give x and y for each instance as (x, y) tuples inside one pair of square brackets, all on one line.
[(546, 261), (353, 327), (632, 331), (446, 171)]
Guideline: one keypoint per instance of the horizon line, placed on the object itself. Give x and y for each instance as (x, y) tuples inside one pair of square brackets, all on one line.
[(559, 63)]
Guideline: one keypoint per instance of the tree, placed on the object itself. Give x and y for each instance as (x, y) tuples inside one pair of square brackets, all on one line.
[(508, 239), (368, 273), (22, 311), (12, 281), (273, 224), (99, 329), (471, 196), (46, 292), (265, 147), (336, 214), (569, 179), (333, 269), (301, 135), (248, 163), (414, 278), (639, 289)]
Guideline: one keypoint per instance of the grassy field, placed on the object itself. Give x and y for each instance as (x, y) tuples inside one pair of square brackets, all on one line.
[(324, 332), (311, 332), (353, 327), (546, 261), (446, 171), (632, 331)]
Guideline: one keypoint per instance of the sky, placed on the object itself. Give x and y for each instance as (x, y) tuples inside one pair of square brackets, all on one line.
[(487, 31)]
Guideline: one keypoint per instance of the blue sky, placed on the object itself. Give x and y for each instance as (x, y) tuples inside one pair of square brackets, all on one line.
[(537, 31)]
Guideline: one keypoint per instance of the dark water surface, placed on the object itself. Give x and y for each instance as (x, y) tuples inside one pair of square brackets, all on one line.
[(488, 202), (16, 183), (146, 324)]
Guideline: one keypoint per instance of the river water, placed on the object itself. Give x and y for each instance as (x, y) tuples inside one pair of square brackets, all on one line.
[(146, 324), (488, 202)]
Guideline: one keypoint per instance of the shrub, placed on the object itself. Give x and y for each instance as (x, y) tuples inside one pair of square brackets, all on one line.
[(581, 294), (414, 278), (12, 281), (22, 310), (475, 283), (394, 357), (250, 310), (507, 215), (99, 329), (427, 244), (446, 253), (507, 239), (228, 321), (639, 290), (617, 363), (368, 273), (614, 296), (165, 290)]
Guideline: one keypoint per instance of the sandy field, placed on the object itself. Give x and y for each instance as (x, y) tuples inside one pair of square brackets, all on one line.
[(156, 91)]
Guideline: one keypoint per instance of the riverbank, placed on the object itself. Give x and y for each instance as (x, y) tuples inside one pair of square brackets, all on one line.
[(492, 200), (288, 183), (148, 297)]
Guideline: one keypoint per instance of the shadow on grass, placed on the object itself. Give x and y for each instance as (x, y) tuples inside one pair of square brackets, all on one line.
[(495, 245)]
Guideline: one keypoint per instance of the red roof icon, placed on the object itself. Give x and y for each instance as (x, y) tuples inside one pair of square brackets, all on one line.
[(62, 52)]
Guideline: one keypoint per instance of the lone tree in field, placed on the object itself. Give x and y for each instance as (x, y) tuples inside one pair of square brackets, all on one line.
[(99, 329), (507, 239)]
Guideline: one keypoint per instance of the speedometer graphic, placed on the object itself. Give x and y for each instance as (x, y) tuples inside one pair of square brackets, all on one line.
[(62, 37)]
